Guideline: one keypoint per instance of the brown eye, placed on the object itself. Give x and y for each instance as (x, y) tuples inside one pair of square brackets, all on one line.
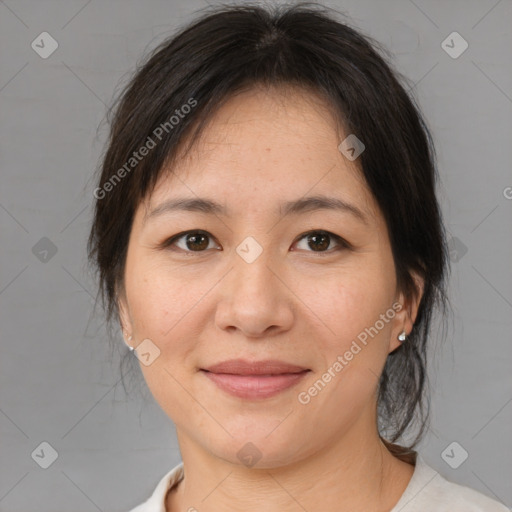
[(196, 241), (319, 241), (199, 241), (190, 241)]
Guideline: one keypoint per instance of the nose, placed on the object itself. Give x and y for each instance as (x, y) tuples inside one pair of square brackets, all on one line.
[(255, 299)]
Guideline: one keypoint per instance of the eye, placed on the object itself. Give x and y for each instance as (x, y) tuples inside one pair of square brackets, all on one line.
[(199, 241), (321, 240), (193, 241)]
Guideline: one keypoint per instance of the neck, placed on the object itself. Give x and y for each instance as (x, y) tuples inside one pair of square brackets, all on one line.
[(354, 473)]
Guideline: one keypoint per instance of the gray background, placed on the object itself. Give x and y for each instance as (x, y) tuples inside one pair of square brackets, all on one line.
[(59, 383)]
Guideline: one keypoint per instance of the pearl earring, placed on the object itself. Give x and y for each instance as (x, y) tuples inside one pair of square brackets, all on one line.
[(402, 337), (128, 340)]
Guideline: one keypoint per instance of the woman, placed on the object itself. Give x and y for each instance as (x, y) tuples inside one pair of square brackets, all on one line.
[(267, 234)]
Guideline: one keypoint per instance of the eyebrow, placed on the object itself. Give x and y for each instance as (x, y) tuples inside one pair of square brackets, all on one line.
[(302, 205)]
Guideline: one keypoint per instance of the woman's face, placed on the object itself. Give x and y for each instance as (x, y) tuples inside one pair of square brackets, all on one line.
[(259, 282)]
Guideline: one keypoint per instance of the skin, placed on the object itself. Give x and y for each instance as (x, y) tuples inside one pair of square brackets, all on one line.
[(298, 302)]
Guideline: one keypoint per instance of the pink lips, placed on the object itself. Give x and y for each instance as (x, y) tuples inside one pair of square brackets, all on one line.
[(252, 380)]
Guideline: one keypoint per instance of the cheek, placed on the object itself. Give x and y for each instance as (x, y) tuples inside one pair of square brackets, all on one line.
[(354, 344), (347, 302), (161, 297), (164, 308)]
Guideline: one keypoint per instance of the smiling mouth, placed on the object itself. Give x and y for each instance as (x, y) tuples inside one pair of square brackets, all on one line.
[(263, 367), (255, 386)]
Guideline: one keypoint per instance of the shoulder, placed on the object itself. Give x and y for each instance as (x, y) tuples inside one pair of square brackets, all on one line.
[(451, 497), (156, 502), (428, 491)]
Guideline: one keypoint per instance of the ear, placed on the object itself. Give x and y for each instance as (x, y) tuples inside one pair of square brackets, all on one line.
[(124, 314), (407, 311)]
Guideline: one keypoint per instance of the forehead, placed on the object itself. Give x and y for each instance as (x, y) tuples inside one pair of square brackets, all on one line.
[(280, 142)]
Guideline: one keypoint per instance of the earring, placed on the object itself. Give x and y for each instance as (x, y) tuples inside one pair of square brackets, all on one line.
[(402, 337), (128, 340)]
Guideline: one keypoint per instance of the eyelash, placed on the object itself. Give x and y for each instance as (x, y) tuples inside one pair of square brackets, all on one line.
[(343, 244)]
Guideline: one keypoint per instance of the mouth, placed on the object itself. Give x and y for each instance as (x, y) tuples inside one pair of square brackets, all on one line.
[(254, 380), (265, 367)]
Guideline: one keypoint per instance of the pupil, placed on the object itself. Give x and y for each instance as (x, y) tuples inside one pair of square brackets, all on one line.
[(325, 240), (192, 239), (320, 241)]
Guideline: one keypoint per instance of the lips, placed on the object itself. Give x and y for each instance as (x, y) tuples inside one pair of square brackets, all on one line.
[(244, 367), (254, 380)]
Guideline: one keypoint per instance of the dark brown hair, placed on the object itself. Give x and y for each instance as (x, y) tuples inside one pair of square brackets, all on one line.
[(232, 48)]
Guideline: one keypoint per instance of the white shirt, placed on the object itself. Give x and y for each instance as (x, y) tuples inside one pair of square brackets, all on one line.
[(427, 491)]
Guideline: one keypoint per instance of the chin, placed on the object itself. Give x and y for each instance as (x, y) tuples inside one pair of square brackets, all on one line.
[(259, 448)]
